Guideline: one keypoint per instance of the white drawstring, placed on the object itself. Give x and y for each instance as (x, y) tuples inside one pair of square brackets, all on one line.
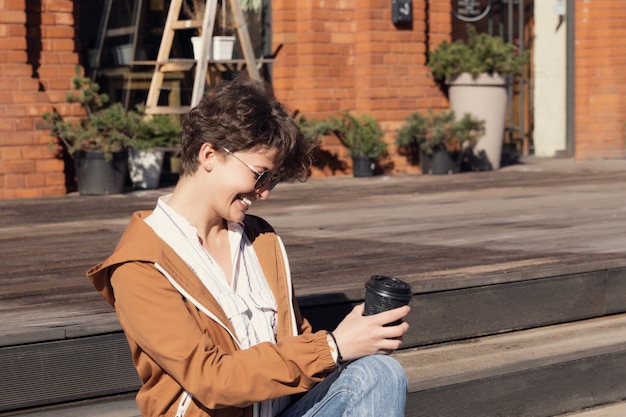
[(183, 404)]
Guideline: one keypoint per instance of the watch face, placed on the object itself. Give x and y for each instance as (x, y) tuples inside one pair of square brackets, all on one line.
[(471, 10)]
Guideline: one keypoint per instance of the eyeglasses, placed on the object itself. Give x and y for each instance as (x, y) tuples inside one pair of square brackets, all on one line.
[(264, 179)]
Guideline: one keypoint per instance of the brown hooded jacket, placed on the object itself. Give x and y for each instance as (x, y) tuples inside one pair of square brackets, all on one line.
[(181, 339)]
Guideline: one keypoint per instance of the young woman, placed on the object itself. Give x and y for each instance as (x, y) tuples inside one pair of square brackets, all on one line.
[(203, 290)]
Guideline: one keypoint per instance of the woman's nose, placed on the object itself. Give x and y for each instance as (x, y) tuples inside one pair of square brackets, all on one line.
[(263, 193)]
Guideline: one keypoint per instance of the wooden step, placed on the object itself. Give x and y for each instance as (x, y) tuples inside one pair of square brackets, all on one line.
[(187, 24), (114, 406), (167, 110), (122, 31), (493, 299), (177, 64), (608, 410), (539, 372), (438, 316), (66, 370), (486, 253), (534, 373)]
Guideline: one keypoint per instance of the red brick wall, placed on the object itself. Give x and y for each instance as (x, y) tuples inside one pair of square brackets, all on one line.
[(347, 55), (37, 59), (600, 89), (343, 55)]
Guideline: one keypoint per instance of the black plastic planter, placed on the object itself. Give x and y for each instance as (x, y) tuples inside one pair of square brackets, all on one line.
[(362, 166), (440, 162), (95, 175)]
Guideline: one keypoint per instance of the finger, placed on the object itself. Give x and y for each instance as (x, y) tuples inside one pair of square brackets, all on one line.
[(391, 343), (390, 316), (394, 332), (359, 309)]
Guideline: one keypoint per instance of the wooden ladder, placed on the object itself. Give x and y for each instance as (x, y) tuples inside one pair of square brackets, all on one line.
[(165, 64)]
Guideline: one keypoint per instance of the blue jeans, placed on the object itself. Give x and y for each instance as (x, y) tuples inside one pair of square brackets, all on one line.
[(371, 386)]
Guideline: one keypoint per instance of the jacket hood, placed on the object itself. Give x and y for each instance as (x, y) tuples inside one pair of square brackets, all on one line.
[(138, 243)]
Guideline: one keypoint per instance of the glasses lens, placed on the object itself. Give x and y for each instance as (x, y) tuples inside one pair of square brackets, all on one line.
[(263, 179), (273, 183)]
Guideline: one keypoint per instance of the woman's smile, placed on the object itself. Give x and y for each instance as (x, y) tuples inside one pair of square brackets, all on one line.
[(246, 201)]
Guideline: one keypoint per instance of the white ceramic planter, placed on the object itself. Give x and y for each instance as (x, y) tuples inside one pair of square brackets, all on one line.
[(145, 168), (122, 54), (222, 47), (196, 42), (486, 99)]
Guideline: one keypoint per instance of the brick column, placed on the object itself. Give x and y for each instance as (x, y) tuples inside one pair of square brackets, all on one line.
[(600, 89), (31, 62)]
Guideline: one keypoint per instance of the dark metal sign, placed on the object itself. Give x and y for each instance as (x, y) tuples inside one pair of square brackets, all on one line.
[(401, 12)]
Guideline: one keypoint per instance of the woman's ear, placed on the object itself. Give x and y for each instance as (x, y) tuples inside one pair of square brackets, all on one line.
[(207, 156)]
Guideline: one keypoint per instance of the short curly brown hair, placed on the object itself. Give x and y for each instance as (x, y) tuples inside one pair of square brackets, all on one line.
[(240, 115)]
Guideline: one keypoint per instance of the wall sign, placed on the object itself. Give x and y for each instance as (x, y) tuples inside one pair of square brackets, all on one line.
[(401, 12), (471, 10)]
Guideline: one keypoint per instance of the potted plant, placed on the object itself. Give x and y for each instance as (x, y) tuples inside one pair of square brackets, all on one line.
[(97, 142), (477, 73), (440, 139), (363, 138), (154, 135)]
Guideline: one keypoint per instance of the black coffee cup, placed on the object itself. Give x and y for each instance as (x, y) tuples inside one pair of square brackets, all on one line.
[(384, 293)]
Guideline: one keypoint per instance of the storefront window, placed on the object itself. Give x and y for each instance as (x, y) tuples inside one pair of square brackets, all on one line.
[(114, 45)]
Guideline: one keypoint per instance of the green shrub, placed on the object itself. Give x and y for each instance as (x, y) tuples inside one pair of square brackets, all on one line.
[(482, 53), (108, 128), (361, 135), (439, 131)]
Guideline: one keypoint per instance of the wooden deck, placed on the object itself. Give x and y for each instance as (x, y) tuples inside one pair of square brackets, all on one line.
[(431, 230), (441, 233)]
